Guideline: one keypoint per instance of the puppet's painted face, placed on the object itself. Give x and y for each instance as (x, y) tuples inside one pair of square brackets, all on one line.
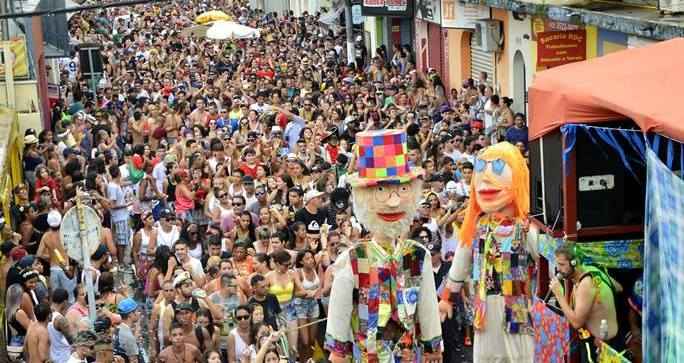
[(493, 180), (387, 209)]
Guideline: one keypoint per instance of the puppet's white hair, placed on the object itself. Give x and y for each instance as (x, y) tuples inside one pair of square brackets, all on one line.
[(361, 196)]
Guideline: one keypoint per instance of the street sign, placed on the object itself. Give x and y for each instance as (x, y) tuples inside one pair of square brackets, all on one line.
[(357, 17), (71, 233)]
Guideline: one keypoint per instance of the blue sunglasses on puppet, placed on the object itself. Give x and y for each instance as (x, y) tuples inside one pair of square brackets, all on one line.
[(498, 165)]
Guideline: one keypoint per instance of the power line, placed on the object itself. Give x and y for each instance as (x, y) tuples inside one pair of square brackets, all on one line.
[(75, 9)]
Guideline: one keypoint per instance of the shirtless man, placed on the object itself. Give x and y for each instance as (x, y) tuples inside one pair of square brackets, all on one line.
[(179, 351), (184, 317), (161, 318), (199, 114), (172, 124), (51, 248), (37, 342), (592, 301)]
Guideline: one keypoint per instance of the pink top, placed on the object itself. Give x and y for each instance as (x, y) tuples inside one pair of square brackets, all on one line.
[(183, 203)]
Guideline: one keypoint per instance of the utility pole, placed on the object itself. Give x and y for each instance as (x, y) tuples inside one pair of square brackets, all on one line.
[(350, 36)]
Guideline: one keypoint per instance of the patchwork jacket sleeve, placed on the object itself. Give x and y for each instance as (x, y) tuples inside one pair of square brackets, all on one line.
[(339, 337), (428, 313)]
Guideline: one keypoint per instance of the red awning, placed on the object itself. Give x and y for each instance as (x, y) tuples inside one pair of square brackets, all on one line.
[(645, 85)]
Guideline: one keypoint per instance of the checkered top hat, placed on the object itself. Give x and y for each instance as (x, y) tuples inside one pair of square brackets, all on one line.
[(382, 158)]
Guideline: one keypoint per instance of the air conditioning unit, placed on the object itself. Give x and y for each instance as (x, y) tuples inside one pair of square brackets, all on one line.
[(487, 35), (674, 6)]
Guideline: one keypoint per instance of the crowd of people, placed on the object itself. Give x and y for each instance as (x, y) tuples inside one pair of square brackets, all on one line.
[(218, 171)]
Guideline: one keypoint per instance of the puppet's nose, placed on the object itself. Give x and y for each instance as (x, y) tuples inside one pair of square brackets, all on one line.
[(393, 201)]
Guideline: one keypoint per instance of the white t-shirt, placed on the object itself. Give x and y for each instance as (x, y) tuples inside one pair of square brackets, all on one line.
[(196, 270)]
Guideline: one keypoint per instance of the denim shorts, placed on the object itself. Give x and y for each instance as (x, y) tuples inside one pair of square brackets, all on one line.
[(306, 308), (288, 311)]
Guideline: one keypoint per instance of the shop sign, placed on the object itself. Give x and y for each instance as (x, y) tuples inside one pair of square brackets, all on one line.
[(429, 10), (456, 14), (561, 47), (545, 25), (402, 8)]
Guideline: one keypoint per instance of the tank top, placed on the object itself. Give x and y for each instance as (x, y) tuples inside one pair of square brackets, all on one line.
[(144, 242), (196, 252), (60, 350), (167, 238), (183, 203), (282, 293), (241, 347), (309, 285)]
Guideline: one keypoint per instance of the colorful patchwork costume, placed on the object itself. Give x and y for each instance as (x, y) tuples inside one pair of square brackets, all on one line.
[(375, 292), (494, 244), (383, 302)]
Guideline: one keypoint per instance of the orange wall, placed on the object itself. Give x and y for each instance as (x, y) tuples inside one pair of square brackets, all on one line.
[(458, 55), (501, 59)]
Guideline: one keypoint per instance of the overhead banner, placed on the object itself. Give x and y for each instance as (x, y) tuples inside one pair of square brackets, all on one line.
[(402, 8), (561, 47), (18, 50)]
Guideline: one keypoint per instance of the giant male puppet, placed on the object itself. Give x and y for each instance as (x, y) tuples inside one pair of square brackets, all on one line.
[(383, 304), (494, 251)]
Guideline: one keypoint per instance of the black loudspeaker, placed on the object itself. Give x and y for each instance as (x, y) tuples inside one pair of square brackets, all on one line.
[(608, 193), (90, 59), (546, 183)]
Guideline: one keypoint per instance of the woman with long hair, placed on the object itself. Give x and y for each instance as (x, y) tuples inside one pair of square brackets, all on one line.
[(144, 244), (161, 270), (185, 195), (204, 319), (306, 302), (245, 230), (298, 241), (17, 319), (283, 284)]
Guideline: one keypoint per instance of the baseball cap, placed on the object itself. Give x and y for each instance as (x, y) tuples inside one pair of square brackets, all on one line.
[(311, 194), (54, 219), (451, 186), (127, 306), (26, 261), (434, 247)]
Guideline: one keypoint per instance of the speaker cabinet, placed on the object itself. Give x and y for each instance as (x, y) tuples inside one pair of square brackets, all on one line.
[(591, 195), (546, 184)]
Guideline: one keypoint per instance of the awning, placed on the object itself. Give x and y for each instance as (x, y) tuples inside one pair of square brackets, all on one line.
[(641, 84)]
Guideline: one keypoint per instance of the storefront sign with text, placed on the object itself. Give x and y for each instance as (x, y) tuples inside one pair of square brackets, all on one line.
[(387, 7), (561, 47)]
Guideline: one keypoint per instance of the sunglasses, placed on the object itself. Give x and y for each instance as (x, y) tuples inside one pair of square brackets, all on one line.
[(221, 196), (237, 204), (242, 317), (498, 165)]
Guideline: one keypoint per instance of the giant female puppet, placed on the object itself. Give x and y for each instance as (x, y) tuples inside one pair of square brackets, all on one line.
[(383, 304), (494, 250)]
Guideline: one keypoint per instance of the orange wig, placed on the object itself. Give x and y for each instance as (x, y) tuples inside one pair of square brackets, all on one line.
[(520, 188)]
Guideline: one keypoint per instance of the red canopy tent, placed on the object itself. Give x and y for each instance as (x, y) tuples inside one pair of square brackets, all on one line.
[(645, 85)]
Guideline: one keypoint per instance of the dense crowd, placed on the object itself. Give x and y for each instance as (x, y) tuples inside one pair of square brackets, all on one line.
[(218, 171)]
